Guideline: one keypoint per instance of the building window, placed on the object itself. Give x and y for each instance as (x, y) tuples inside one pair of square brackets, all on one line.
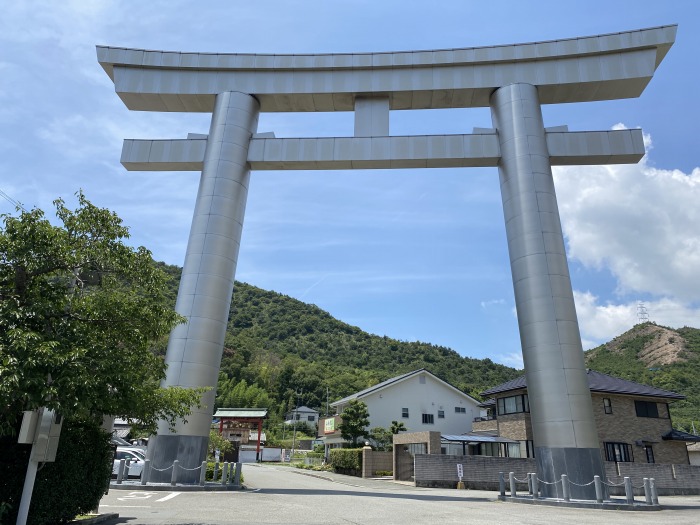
[(441, 414), (428, 419), (311, 418), (513, 450), (618, 452), (404, 412), (646, 409), (298, 416), (513, 404), (607, 405), (460, 410), (650, 453)]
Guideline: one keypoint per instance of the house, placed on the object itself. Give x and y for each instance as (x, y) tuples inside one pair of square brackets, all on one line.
[(633, 420), (419, 399), (302, 414)]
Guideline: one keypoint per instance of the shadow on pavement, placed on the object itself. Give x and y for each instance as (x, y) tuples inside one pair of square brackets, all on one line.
[(316, 492)]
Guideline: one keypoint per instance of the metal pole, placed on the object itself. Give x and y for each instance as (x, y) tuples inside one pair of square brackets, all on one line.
[(27, 490), (629, 493), (511, 478), (598, 489), (566, 490)]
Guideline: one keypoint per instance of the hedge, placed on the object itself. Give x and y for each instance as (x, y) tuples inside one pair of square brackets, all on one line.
[(72, 485), (346, 460)]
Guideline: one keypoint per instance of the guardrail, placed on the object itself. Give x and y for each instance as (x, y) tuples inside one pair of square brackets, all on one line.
[(230, 472), (651, 496)]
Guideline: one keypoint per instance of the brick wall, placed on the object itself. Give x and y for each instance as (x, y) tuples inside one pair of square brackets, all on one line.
[(669, 479), (623, 426), (480, 472), (373, 460)]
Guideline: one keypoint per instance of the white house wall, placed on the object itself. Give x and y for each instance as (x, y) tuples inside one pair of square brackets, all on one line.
[(421, 398)]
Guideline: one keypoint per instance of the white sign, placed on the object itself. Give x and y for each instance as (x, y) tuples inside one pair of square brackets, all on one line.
[(460, 471)]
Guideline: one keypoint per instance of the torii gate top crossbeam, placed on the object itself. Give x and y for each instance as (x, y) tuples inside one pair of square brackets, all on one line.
[(602, 67)]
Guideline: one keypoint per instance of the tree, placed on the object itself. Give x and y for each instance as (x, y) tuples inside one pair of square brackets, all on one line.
[(382, 438), (355, 421), (397, 427), (79, 313)]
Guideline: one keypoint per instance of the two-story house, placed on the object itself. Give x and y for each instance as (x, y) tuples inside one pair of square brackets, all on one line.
[(633, 420), (302, 414), (419, 399)]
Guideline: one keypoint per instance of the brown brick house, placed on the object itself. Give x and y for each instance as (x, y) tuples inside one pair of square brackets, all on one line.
[(633, 420)]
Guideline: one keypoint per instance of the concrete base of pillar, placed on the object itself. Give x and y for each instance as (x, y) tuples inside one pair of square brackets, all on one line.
[(579, 464), (190, 451)]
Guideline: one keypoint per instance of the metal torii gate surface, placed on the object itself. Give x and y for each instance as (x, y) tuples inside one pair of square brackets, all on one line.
[(513, 80)]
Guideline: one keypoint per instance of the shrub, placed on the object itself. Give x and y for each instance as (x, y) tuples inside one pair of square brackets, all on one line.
[(72, 485), (346, 460)]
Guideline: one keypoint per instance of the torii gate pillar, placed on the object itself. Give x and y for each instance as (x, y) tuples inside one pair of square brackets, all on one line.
[(563, 424), (206, 286)]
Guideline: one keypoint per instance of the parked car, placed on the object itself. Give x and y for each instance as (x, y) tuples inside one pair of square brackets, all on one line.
[(136, 460)]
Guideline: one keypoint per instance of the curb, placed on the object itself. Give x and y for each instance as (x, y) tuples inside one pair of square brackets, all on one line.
[(100, 518)]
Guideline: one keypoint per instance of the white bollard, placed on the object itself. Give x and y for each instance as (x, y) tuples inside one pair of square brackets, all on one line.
[(120, 471), (566, 490), (224, 473), (654, 493), (511, 478), (173, 477), (501, 485), (598, 489), (535, 486), (145, 473), (237, 477), (203, 473), (629, 491)]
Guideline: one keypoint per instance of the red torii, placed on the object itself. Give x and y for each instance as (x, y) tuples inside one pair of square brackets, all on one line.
[(243, 415)]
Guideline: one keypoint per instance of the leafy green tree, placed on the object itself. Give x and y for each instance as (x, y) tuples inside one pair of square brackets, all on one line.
[(382, 438), (218, 442), (355, 421), (79, 314), (397, 427)]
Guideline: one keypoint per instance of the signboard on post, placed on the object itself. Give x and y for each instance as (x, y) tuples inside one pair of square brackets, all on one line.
[(460, 472)]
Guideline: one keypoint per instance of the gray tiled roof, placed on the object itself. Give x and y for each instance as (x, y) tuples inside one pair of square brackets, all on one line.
[(597, 382)]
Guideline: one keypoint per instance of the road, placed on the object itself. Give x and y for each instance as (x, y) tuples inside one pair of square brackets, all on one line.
[(283, 495)]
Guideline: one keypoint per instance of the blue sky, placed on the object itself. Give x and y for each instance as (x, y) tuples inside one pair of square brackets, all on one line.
[(411, 254)]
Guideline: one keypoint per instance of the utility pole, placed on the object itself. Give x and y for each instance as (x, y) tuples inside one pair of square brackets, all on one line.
[(294, 418)]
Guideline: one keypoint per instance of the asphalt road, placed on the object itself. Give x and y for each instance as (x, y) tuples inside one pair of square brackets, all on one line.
[(283, 495)]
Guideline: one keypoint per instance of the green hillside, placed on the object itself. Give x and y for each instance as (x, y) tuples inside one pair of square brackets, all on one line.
[(659, 356), (277, 345)]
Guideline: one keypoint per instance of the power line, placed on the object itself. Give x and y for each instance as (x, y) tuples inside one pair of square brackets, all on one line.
[(12, 201)]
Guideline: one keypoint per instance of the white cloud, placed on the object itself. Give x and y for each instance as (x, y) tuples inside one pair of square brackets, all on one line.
[(600, 322), (640, 222)]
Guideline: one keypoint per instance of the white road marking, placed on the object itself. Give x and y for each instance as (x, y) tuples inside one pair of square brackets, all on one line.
[(137, 495), (169, 496), (128, 506)]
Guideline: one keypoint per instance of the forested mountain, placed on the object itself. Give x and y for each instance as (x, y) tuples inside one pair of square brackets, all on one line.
[(276, 346), (659, 356)]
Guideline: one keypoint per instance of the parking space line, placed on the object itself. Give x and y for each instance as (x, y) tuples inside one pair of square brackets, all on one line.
[(169, 496)]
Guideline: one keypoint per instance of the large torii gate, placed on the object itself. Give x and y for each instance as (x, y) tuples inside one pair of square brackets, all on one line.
[(513, 80)]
